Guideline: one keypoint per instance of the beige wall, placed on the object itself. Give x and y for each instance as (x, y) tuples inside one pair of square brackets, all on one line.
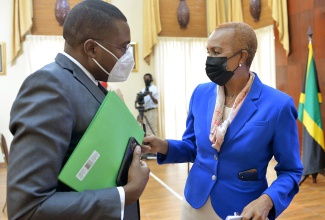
[(17, 71)]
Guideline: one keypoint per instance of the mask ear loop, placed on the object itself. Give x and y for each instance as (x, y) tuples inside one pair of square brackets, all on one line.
[(100, 66), (106, 49), (234, 54), (232, 57)]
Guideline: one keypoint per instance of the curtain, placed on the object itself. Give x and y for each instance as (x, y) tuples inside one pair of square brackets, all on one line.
[(215, 16), (235, 12), (22, 23), (151, 27), (179, 67), (221, 11), (264, 60), (42, 50), (280, 15)]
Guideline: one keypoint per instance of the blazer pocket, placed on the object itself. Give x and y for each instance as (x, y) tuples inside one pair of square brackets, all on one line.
[(257, 124), (242, 183)]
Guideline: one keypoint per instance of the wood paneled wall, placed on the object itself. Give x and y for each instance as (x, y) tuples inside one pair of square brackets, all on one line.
[(44, 21), (197, 26), (265, 16), (290, 70)]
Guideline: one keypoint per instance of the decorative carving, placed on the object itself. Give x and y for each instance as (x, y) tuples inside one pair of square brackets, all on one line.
[(255, 9), (61, 10), (183, 14)]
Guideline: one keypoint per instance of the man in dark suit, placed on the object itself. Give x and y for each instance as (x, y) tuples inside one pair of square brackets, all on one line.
[(52, 111)]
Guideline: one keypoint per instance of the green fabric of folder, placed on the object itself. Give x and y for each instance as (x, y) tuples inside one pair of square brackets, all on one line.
[(95, 162)]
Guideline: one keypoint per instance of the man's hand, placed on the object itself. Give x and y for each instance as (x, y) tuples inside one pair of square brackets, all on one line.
[(258, 209), (138, 177), (153, 98)]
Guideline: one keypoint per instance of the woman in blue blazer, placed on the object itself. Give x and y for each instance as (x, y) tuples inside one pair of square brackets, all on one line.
[(235, 125)]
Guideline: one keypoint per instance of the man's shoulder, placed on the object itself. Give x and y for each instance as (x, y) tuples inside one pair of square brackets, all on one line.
[(153, 86)]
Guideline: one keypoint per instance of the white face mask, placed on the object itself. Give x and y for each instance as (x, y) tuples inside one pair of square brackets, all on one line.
[(122, 67)]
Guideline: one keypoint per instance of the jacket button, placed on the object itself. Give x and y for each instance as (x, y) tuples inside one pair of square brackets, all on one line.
[(214, 177), (215, 157)]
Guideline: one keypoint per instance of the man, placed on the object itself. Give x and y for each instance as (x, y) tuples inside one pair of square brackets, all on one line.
[(52, 111), (150, 104)]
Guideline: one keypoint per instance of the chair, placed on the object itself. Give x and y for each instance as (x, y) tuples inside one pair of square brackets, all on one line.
[(5, 154)]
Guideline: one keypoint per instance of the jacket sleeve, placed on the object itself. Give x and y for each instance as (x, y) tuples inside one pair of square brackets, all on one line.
[(43, 121), (286, 153)]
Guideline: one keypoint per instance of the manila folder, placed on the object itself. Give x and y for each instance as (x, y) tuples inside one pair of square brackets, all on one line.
[(95, 162)]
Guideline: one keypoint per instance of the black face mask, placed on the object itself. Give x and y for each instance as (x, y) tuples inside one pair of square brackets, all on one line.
[(147, 82), (216, 69)]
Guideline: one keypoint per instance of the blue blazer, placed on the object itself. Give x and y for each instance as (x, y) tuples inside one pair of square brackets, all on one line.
[(264, 127)]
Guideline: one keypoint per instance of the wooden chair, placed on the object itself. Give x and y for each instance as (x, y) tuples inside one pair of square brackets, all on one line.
[(5, 154)]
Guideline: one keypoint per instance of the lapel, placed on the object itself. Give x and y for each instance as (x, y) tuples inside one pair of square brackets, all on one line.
[(79, 75), (211, 105), (246, 111)]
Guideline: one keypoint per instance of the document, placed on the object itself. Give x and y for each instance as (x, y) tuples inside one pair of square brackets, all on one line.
[(236, 216), (96, 160), (230, 217)]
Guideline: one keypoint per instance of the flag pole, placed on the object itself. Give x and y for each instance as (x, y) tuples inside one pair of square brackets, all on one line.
[(314, 175), (309, 33)]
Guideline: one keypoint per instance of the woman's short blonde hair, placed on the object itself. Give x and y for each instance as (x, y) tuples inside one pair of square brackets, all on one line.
[(244, 38)]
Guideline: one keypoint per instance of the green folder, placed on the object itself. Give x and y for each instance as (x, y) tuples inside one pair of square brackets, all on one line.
[(96, 160)]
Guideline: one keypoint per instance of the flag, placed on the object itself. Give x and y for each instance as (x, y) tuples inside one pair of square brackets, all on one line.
[(309, 113)]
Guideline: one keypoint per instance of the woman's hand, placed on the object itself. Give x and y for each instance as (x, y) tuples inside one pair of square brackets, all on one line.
[(258, 209), (153, 144)]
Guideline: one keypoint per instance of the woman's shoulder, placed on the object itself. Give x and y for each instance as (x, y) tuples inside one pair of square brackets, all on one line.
[(206, 86), (275, 93), (269, 91)]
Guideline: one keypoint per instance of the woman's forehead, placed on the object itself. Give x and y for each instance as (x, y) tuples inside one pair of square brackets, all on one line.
[(220, 38)]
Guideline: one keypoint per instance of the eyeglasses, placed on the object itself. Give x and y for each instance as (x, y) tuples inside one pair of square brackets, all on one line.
[(122, 49)]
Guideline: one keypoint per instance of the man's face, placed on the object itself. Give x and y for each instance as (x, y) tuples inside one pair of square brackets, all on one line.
[(147, 80), (116, 44)]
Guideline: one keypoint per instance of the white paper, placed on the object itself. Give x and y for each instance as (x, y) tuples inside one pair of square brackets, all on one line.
[(232, 217)]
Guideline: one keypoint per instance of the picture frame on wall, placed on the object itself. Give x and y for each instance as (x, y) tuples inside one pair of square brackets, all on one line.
[(134, 50), (2, 58)]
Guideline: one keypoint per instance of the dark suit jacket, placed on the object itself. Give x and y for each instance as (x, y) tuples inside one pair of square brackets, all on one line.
[(264, 127), (52, 110)]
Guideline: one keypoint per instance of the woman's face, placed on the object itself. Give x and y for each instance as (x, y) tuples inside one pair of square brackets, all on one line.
[(220, 45)]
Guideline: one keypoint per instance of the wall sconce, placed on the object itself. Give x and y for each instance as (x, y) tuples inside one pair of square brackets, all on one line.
[(183, 14), (61, 10), (255, 9)]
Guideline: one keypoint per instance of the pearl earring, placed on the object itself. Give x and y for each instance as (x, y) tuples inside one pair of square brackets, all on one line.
[(240, 65)]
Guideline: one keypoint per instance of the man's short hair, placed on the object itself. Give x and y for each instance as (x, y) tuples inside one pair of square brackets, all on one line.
[(91, 19), (148, 74)]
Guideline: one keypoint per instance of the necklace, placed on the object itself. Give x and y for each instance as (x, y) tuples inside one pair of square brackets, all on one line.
[(231, 95)]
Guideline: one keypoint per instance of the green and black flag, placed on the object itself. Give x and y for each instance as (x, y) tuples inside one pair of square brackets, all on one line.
[(309, 113)]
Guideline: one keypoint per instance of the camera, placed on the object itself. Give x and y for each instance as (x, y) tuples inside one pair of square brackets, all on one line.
[(140, 98), (139, 101), (141, 95)]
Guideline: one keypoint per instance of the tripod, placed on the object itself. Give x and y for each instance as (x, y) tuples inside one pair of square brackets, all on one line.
[(140, 120), (141, 117)]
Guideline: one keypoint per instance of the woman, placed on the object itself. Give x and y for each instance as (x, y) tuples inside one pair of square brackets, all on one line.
[(234, 127)]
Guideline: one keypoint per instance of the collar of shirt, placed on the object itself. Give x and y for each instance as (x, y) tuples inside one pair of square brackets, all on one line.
[(81, 67)]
